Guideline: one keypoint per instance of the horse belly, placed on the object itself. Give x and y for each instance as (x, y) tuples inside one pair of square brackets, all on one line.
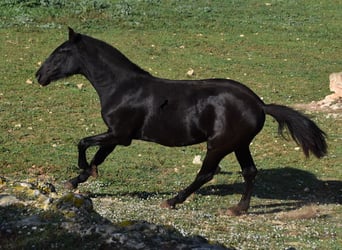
[(172, 131)]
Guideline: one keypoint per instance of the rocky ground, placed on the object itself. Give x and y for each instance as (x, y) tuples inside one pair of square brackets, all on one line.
[(34, 216), (332, 107)]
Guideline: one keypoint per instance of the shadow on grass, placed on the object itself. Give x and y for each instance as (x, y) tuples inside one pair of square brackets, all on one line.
[(293, 187)]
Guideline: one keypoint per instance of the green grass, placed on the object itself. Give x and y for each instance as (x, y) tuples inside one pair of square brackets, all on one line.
[(283, 50)]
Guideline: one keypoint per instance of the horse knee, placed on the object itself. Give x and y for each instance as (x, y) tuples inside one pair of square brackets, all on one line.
[(82, 144)]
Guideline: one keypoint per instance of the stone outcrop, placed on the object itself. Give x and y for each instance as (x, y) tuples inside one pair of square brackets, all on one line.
[(331, 103), (333, 100), (336, 84), (33, 215)]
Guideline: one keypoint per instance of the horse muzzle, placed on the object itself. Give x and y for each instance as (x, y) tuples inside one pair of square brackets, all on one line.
[(41, 79)]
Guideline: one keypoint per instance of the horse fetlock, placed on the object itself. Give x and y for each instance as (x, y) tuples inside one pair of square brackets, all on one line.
[(249, 173), (93, 171)]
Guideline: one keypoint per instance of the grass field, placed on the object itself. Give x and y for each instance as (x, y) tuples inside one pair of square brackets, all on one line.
[(283, 50)]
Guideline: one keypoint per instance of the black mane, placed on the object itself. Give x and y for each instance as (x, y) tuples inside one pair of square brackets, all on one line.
[(111, 56)]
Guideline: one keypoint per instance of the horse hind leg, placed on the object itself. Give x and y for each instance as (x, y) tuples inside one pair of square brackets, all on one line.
[(249, 172), (82, 177), (207, 172)]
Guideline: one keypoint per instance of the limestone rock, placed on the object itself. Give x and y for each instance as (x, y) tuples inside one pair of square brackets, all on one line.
[(8, 200), (335, 86), (331, 103), (32, 209), (336, 83)]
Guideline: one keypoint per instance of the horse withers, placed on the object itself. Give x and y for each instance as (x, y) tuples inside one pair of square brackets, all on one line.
[(225, 114)]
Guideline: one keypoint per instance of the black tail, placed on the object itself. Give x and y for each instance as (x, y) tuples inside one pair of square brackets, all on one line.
[(303, 130)]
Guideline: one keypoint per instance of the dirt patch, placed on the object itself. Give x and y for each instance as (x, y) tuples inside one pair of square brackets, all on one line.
[(306, 212)]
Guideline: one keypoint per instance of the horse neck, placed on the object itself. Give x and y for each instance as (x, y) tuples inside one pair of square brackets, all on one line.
[(106, 67), (108, 78)]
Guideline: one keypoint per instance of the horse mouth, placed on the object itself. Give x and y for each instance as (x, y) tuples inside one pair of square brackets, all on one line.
[(41, 80)]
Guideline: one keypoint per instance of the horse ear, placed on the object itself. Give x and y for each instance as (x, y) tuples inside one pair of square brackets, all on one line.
[(73, 36)]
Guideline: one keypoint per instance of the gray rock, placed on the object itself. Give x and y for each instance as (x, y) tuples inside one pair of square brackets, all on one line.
[(7, 200)]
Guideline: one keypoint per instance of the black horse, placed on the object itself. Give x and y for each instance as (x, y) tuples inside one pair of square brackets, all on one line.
[(136, 105)]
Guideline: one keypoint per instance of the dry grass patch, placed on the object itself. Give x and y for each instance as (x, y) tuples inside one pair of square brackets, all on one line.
[(306, 212)]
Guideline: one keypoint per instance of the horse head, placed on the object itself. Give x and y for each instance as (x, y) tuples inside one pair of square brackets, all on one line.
[(63, 61)]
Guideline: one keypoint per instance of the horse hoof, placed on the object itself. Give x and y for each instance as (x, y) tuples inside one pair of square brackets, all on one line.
[(69, 185), (166, 204), (235, 211)]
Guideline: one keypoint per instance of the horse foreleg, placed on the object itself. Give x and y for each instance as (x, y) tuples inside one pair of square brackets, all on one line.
[(249, 172), (82, 157), (105, 141)]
